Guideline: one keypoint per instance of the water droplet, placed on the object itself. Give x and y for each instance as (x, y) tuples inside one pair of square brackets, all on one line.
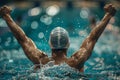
[(41, 35), (10, 60), (34, 25)]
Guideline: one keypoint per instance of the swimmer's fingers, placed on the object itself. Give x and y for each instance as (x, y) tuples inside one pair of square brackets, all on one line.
[(5, 10), (110, 9)]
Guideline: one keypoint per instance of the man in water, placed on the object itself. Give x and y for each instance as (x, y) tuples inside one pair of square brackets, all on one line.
[(59, 42)]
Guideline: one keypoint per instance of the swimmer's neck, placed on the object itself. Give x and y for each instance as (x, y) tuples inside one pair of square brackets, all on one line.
[(59, 55)]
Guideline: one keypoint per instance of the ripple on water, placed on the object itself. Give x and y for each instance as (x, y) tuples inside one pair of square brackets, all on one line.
[(54, 72)]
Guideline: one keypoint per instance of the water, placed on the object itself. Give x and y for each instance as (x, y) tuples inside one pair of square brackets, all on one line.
[(101, 66), (52, 72), (104, 63)]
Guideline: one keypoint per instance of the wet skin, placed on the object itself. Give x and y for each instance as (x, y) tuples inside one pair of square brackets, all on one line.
[(37, 56)]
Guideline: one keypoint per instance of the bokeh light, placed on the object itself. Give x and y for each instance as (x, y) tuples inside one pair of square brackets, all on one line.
[(34, 11), (84, 13), (41, 35), (52, 10), (46, 19), (34, 25), (2, 23)]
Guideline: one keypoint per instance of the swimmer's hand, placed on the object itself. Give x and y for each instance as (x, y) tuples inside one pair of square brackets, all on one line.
[(110, 9), (5, 10)]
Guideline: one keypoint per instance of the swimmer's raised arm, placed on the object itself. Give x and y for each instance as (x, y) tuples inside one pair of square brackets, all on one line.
[(88, 44), (97, 31), (27, 44)]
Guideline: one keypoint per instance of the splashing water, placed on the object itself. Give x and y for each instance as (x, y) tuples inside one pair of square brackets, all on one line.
[(53, 72)]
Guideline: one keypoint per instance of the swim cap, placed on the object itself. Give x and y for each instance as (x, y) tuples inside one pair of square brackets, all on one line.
[(59, 38)]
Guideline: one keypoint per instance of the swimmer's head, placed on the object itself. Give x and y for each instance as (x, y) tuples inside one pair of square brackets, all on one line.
[(59, 38)]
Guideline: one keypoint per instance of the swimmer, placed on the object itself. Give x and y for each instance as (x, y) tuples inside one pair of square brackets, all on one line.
[(59, 42)]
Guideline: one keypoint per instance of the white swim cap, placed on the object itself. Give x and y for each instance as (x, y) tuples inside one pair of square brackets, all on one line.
[(59, 38)]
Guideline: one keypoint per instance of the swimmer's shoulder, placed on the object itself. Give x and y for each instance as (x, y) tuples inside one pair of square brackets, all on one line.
[(72, 63)]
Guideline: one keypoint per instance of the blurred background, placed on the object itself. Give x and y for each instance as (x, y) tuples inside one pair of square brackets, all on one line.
[(38, 17)]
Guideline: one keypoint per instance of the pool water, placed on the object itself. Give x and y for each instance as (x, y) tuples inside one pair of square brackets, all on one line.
[(104, 63)]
